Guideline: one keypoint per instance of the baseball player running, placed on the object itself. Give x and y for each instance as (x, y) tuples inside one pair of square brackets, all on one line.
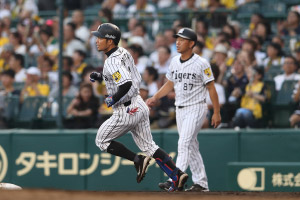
[(130, 113), (191, 77)]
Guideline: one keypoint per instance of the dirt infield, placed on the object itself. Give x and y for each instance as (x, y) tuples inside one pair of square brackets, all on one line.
[(85, 195)]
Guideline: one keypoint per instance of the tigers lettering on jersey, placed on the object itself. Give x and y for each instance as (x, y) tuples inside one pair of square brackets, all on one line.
[(181, 76), (190, 78)]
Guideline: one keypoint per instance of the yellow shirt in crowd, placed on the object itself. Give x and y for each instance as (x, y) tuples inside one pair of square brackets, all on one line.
[(250, 102), (43, 89)]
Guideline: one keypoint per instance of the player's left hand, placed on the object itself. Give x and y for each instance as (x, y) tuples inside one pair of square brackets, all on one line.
[(216, 120), (109, 101)]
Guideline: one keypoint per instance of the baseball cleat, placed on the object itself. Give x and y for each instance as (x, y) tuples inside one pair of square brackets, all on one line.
[(165, 186), (197, 188), (179, 184), (141, 167)]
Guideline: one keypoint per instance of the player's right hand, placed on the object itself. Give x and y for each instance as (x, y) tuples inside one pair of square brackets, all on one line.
[(96, 76)]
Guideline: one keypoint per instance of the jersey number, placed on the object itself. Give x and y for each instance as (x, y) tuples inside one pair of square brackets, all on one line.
[(188, 86)]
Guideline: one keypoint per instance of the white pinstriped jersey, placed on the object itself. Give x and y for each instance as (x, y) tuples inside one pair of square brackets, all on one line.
[(118, 69), (190, 78)]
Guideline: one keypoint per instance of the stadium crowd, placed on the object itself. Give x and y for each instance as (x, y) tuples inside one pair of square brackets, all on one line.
[(255, 62)]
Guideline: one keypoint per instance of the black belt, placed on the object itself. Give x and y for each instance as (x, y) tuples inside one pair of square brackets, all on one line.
[(127, 103), (204, 101)]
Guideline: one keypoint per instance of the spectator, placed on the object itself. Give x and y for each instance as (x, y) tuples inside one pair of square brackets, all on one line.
[(295, 117), (7, 80), (198, 48), (251, 103), (68, 89), (140, 37), (48, 76), (188, 5), (5, 56), (164, 56), (201, 49), (67, 66), (274, 56), (255, 19), (6, 26), (289, 67), (237, 41), (229, 29), (150, 77), (78, 61), (263, 29), (202, 27), (144, 90), (160, 41), (132, 22), (45, 42), (15, 39), (83, 109), (81, 31), (71, 43), (171, 41), (115, 6), (221, 95), (16, 63), (259, 54), (6, 90), (297, 57), (290, 27), (105, 14), (279, 40), (3, 38), (161, 4), (137, 54), (219, 58), (32, 86), (236, 83), (247, 58), (222, 36), (140, 7), (217, 19), (93, 51)]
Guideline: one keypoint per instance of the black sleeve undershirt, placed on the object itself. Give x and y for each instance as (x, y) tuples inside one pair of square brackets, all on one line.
[(123, 89)]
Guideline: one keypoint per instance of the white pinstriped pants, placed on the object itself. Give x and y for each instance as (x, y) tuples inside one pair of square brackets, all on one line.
[(189, 122), (121, 122)]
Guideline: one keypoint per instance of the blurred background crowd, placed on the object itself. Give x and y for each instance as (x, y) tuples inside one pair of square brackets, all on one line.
[(253, 48)]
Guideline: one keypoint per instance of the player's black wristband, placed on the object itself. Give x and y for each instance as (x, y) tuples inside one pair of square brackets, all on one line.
[(123, 89)]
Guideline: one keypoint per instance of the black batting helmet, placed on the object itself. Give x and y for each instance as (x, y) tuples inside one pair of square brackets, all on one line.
[(108, 31), (187, 33)]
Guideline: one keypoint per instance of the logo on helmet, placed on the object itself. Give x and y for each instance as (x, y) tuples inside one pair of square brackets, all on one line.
[(110, 36), (181, 31), (3, 163)]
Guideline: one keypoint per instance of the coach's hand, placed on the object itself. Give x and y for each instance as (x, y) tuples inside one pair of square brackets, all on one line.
[(96, 76), (151, 102), (109, 101), (216, 120)]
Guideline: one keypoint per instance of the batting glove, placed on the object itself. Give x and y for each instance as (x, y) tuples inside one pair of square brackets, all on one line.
[(109, 101), (96, 76)]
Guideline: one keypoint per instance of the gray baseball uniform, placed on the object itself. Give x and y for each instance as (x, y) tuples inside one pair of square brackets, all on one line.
[(189, 78), (130, 113)]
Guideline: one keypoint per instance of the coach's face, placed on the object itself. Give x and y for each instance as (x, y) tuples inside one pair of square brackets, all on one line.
[(183, 45)]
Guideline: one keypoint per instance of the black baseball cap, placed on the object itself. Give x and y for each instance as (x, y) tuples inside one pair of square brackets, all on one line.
[(186, 33)]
